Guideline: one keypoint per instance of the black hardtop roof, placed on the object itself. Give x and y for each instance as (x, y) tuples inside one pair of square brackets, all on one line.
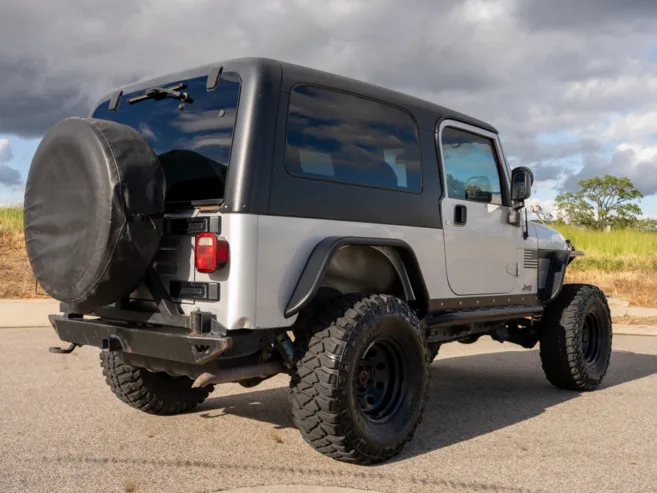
[(293, 74), (415, 104)]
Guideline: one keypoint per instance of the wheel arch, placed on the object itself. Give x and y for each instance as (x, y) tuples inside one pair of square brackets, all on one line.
[(337, 254), (556, 272)]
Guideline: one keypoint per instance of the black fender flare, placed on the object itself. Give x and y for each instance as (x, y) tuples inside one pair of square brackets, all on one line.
[(320, 258), (559, 261)]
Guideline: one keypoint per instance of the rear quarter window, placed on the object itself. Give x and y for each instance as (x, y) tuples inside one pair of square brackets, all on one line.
[(344, 138)]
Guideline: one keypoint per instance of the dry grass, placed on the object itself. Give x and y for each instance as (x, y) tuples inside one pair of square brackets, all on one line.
[(639, 288), (17, 278), (623, 263)]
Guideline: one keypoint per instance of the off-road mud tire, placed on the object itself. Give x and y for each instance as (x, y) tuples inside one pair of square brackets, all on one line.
[(331, 342), (571, 359), (434, 348), (153, 393)]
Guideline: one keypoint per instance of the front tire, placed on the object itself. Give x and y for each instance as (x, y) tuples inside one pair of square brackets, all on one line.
[(576, 337), (362, 377), (153, 393)]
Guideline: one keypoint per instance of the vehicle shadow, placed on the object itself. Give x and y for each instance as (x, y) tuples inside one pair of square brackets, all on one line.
[(469, 396)]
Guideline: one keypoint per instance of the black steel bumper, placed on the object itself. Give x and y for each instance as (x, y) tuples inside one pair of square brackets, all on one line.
[(169, 343)]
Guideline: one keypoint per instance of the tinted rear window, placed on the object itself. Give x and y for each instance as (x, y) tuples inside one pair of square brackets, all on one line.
[(346, 138), (194, 144)]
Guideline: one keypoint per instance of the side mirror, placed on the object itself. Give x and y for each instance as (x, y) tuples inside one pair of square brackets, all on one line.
[(522, 180)]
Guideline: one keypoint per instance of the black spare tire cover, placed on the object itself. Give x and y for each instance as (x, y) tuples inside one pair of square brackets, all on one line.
[(94, 201)]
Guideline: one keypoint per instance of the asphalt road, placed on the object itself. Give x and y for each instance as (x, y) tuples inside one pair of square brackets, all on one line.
[(493, 424)]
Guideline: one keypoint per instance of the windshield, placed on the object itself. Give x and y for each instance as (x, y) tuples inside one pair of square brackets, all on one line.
[(193, 143)]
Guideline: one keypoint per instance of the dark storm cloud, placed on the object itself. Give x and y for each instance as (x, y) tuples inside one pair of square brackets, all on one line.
[(9, 176), (547, 172), (599, 14), (547, 161), (530, 67), (625, 162), (35, 100), (483, 50), (532, 152)]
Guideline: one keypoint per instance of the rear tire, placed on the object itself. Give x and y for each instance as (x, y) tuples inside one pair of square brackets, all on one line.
[(362, 376), (153, 393), (433, 347), (576, 338)]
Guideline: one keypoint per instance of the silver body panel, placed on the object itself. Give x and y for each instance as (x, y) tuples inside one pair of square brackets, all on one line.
[(269, 253)]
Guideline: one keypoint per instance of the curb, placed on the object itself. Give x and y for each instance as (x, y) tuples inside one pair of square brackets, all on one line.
[(289, 488), (620, 308), (635, 330), (18, 314)]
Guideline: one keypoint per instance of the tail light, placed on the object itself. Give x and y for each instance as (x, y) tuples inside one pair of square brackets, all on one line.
[(210, 253)]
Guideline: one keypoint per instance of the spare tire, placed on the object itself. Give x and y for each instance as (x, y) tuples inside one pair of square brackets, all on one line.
[(94, 202)]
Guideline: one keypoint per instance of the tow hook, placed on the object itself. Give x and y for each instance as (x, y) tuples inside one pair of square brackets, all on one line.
[(59, 350)]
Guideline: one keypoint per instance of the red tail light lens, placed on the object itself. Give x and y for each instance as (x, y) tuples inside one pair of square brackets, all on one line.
[(210, 253), (222, 253), (205, 254)]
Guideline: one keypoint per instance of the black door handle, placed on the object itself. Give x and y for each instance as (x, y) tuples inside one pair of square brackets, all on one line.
[(460, 215)]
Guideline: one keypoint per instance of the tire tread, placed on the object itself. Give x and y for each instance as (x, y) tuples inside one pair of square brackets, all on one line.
[(143, 390)]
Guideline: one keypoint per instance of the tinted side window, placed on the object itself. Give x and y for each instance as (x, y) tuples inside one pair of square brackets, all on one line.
[(471, 167), (340, 137)]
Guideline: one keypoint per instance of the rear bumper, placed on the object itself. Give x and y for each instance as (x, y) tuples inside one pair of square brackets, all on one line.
[(168, 343)]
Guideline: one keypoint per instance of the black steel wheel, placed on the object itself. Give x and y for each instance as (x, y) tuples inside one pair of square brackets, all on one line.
[(592, 339), (576, 338), (380, 380), (362, 376)]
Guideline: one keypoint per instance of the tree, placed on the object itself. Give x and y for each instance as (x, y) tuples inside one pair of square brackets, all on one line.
[(601, 202), (647, 224)]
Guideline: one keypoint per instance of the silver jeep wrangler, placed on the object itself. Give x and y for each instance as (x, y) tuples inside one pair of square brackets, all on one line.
[(244, 219)]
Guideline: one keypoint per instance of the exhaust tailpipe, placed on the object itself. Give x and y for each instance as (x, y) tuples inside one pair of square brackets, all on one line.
[(228, 375)]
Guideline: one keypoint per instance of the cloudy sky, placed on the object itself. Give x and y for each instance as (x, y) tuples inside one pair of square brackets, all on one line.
[(570, 84)]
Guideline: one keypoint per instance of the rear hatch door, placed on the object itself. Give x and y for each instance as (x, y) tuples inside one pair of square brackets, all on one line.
[(192, 137)]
